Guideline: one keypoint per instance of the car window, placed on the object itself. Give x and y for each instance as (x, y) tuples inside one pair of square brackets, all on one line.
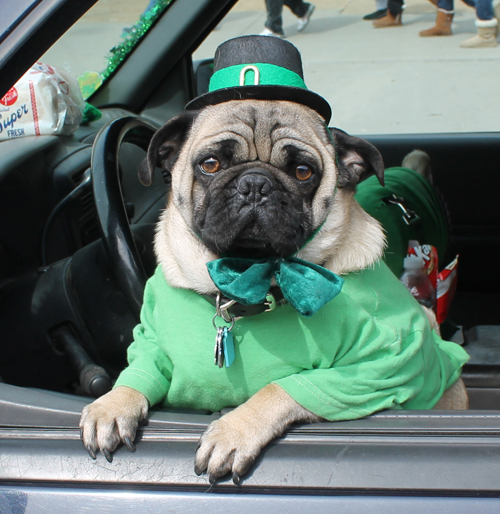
[(14, 11), (385, 80), (96, 45)]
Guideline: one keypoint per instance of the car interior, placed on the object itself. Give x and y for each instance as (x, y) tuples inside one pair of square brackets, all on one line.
[(76, 231)]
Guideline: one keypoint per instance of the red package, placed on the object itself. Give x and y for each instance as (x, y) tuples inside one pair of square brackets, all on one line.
[(430, 257), (445, 282), (446, 287)]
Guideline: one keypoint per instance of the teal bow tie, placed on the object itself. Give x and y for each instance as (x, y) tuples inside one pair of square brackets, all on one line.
[(306, 286)]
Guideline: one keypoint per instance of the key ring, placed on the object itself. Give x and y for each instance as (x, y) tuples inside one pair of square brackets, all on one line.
[(222, 310), (230, 321)]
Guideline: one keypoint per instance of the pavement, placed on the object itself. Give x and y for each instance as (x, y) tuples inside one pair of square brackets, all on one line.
[(386, 80), (376, 80)]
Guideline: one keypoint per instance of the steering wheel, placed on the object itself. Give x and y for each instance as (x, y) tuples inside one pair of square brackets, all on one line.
[(114, 226)]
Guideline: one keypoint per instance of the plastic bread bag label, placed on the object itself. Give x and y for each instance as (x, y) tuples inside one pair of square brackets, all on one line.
[(44, 101)]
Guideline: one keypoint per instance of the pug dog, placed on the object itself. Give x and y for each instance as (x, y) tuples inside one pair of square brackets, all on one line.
[(253, 179)]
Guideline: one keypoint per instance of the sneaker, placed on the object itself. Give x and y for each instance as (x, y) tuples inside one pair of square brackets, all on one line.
[(302, 23), (269, 32), (375, 15)]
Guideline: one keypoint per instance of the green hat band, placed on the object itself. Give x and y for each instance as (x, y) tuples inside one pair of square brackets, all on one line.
[(258, 74)]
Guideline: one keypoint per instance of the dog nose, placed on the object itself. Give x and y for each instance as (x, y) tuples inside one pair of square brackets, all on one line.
[(254, 186)]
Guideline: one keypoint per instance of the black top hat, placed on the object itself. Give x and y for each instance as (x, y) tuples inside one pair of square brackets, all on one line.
[(260, 68)]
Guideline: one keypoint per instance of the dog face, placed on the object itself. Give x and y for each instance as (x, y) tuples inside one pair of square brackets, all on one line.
[(255, 206), (252, 178), (256, 181)]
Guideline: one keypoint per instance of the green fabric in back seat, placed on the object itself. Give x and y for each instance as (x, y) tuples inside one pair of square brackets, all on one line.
[(419, 196)]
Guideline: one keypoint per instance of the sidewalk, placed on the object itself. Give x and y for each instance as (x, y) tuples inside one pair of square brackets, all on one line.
[(385, 80)]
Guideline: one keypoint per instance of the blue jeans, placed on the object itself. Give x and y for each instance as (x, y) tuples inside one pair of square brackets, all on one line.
[(395, 7), (275, 8), (484, 8)]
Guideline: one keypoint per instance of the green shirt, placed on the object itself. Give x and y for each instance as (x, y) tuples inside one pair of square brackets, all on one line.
[(368, 349)]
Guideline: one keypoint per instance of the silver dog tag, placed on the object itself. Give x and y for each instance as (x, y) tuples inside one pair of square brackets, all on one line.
[(219, 348), (224, 342)]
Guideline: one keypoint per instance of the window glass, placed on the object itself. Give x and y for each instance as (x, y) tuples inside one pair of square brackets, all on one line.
[(102, 38), (385, 80), (13, 13)]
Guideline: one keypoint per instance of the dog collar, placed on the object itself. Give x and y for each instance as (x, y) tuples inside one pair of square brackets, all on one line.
[(236, 310), (306, 286)]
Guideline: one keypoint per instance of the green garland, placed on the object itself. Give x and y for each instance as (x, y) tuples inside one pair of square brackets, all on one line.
[(133, 35), (90, 81)]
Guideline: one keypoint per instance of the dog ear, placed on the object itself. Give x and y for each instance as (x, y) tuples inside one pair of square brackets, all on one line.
[(357, 159), (165, 146)]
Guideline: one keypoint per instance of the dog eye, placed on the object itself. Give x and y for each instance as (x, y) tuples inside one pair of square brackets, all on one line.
[(210, 165), (303, 172)]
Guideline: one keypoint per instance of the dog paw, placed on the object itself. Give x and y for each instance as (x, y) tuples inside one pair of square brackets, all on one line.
[(229, 445), (232, 443), (111, 420)]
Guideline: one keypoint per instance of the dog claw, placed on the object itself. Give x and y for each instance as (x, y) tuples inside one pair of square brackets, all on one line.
[(212, 479), (236, 478), (129, 444), (92, 453), (108, 455), (198, 470)]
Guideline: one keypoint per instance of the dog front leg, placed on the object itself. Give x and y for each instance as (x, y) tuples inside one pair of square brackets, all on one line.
[(112, 419), (455, 397), (233, 442)]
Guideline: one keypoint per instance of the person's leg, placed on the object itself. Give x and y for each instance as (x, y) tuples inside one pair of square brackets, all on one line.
[(447, 5), (395, 7), (303, 11), (298, 7), (486, 25), (274, 20), (484, 10)]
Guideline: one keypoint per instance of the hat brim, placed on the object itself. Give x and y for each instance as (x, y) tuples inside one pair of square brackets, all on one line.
[(264, 92)]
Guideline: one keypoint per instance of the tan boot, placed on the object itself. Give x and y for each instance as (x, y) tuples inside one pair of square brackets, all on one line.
[(486, 35), (442, 26), (388, 20)]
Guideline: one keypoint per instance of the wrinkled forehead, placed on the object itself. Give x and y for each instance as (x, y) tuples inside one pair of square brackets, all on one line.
[(258, 126)]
